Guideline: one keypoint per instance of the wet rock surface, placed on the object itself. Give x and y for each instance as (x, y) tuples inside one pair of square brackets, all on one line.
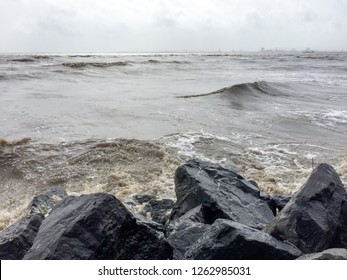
[(44, 202), (223, 194), (96, 226), (158, 210), (17, 239), (228, 240), (329, 254), (310, 220), (185, 231), (218, 215)]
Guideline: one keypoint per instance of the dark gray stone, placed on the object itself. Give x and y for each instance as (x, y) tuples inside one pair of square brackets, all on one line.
[(329, 254), (341, 236), (17, 239), (280, 200), (141, 220), (194, 215), (311, 218), (254, 183), (159, 209), (141, 242), (185, 231), (143, 198), (184, 236), (228, 240), (267, 198), (44, 202), (222, 192), (96, 226)]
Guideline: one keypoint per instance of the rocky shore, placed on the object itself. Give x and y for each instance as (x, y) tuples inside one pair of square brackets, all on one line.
[(218, 215)]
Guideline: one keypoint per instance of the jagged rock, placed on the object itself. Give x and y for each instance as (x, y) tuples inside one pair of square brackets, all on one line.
[(96, 226), (185, 231), (311, 218), (329, 254), (184, 236), (223, 194), (159, 209), (254, 183), (280, 200), (228, 240), (267, 198), (194, 215), (143, 198), (141, 220), (341, 236), (141, 242), (17, 239), (44, 202)]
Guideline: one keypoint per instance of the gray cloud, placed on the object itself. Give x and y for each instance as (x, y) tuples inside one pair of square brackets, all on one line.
[(176, 25)]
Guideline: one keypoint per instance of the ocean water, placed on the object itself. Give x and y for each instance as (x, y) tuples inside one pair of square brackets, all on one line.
[(122, 123)]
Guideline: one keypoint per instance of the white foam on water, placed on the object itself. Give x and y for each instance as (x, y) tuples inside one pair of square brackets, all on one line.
[(186, 145), (120, 167), (329, 119), (335, 116), (283, 168)]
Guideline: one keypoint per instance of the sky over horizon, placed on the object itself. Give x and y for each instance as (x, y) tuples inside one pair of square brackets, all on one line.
[(175, 25)]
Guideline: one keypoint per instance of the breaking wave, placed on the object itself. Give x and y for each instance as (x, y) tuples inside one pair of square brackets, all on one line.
[(122, 167), (155, 61), (320, 57), (24, 59), (79, 65), (256, 89), (30, 58)]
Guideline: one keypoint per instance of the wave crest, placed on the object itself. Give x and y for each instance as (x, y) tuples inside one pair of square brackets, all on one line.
[(79, 65), (249, 89)]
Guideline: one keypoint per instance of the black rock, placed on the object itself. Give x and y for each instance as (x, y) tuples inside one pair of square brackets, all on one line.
[(341, 236), (96, 226), (44, 202), (311, 218), (223, 194), (184, 236), (159, 209), (254, 183), (280, 200), (194, 215), (141, 242), (329, 254), (268, 199), (143, 198), (17, 239), (228, 240), (141, 220), (185, 231)]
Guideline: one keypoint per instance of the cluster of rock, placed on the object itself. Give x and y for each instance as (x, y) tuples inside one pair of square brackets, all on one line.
[(218, 215)]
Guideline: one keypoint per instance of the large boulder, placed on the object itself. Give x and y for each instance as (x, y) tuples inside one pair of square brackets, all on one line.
[(44, 202), (228, 240), (17, 239), (312, 216), (96, 226), (222, 192), (329, 254)]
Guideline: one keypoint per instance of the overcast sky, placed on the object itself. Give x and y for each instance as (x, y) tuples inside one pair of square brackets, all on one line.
[(171, 25)]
